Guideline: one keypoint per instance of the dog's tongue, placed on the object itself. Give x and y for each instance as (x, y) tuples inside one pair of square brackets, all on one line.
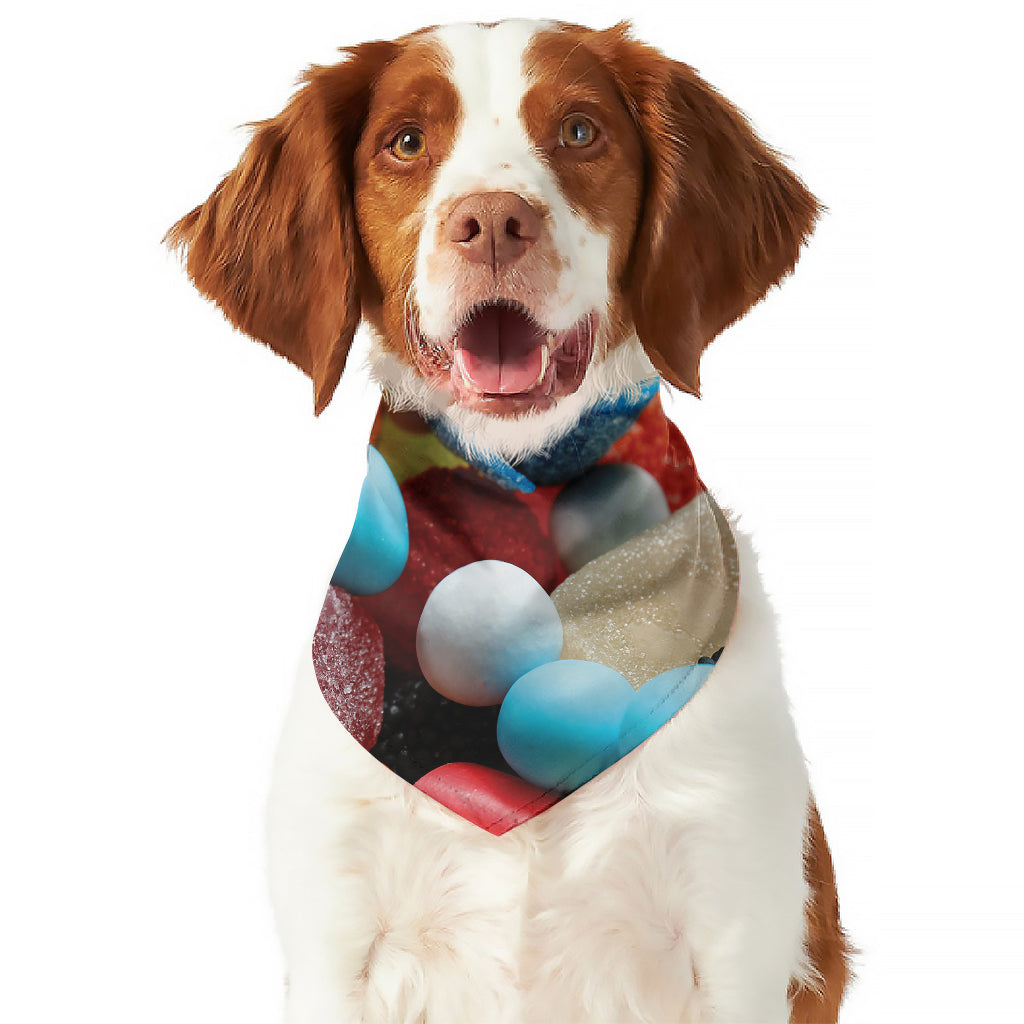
[(501, 351)]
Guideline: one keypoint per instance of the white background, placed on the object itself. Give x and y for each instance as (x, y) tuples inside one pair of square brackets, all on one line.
[(172, 509)]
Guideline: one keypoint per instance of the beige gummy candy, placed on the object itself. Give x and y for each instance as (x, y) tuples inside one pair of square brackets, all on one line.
[(663, 599)]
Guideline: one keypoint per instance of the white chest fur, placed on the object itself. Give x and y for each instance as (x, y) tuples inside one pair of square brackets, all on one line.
[(669, 888)]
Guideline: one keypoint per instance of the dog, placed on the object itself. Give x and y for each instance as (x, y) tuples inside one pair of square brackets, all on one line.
[(537, 222)]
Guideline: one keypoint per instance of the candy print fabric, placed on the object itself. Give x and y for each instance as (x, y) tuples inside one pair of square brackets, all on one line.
[(498, 634)]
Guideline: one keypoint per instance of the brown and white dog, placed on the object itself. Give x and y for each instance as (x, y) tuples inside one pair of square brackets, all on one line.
[(615, 212)]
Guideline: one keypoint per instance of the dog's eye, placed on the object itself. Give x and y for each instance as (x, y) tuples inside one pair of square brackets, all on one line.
[(577, 132), (409, 144)]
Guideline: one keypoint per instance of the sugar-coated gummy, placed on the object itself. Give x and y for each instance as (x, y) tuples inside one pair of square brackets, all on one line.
[(626, 608), (348, 658)]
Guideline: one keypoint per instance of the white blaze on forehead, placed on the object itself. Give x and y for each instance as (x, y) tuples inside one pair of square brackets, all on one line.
[(493, 153), (492, 150)]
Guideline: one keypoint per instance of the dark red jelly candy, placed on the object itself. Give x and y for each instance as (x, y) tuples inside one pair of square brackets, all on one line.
[(348, 656), (496, 801), (679, 478), (456, 516), (655, 444)]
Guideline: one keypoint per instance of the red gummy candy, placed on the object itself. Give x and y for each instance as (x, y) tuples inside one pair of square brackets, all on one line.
[(654, 443), (456, 516), (496, 801), (348, 656), (679, 478)]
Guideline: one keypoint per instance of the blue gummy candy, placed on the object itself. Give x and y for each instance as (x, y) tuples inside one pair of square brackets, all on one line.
[(378, 545), (657, 701), (559, 724)]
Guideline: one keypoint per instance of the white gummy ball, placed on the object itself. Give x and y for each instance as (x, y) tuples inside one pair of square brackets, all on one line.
[(483, 627)]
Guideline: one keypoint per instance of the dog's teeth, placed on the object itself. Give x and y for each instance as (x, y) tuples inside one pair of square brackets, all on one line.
[(545, 360)]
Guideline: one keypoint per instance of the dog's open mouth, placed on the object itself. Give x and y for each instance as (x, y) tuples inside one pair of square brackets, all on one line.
[(501, 351), (500, 359)]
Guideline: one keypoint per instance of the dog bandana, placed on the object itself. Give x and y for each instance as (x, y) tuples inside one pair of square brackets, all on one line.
[(499, 634)]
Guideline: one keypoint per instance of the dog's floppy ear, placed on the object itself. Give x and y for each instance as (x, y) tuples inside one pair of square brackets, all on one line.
[(275, 245), (723, 218)]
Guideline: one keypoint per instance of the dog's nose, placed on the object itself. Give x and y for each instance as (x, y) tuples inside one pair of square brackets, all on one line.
[(493, 227)]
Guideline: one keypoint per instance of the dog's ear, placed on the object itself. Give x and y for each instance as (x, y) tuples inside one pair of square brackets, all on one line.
[(723, 219), (275, 245)]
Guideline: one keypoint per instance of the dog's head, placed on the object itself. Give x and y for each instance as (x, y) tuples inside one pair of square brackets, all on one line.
[(524, 213)]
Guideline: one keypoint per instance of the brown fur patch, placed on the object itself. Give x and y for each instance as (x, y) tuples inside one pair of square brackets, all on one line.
[(603, 182), (318, 224), (390, 196), (275, 245), (828, 948), (723, 219)]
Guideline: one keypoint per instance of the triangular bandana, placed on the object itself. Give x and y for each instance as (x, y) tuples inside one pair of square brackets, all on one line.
[(498, 634)]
